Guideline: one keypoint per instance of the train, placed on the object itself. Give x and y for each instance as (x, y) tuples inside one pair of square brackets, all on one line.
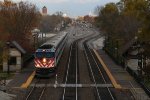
[(47, 56)]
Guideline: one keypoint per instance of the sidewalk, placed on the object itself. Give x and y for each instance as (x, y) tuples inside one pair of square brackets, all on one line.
[(14, 86), (21, 77), (123, 77)]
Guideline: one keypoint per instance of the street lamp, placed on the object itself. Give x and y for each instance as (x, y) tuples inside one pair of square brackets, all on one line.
[(34, 41), (45, 37), (8, 48), (116, 49), (140, 59), (35, 34)]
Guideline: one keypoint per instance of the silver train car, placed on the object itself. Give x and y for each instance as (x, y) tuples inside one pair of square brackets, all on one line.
[(48, 55)]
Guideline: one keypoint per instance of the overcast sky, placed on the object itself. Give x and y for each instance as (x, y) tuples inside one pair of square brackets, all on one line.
[(72, 8)]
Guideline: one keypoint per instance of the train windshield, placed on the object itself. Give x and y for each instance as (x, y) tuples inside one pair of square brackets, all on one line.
[(44, 54)]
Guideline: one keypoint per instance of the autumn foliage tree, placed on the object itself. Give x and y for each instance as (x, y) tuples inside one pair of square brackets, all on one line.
[(107, 17), (17, 20), (88, 18), (126, 20)]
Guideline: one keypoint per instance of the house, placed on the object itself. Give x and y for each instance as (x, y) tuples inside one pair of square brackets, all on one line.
[(13, 60)]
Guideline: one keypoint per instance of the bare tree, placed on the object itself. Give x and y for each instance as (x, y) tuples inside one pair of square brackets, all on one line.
[(59, 13), (97, 10), (49, 22)]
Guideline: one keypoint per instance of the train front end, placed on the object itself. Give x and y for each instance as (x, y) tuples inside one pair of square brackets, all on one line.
[(44, 62)]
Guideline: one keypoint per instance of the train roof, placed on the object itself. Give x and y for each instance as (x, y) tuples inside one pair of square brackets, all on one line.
[(56, 39)]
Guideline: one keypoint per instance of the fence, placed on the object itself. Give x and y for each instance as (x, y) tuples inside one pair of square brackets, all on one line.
[(137, 78), (137, 94)]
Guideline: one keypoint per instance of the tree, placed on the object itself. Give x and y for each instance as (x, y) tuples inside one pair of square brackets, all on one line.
[(126, 20), (88, 18), (18, 19), (97, 10), (138, 9), (107, 18), (59, 13), (49, 22)]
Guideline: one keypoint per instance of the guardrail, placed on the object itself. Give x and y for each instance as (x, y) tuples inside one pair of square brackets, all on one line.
[(136, 77), (138, 95)]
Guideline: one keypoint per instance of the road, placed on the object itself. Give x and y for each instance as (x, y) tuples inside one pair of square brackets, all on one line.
[(80, 76)]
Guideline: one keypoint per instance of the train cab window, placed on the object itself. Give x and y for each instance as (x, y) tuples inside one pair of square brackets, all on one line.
[(44, 54), (46, 47), (49, 54)]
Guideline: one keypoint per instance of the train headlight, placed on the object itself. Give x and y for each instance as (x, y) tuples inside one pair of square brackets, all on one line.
[(52, 65), (37, 65), (44, 60)]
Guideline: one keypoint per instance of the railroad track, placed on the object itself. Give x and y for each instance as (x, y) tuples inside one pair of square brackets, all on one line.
[(71, 93), (103, 93), (36, 93)]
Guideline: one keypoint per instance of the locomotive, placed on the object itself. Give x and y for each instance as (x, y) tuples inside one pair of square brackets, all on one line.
[(48, 55)]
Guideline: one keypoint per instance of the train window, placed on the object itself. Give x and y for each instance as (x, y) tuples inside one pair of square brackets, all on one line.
[(46, 47), (45, 54), (49, 54)]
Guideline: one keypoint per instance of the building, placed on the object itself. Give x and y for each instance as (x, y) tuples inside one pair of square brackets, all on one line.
[(13, 60), (81, 18), (44, 11), (7, 0)]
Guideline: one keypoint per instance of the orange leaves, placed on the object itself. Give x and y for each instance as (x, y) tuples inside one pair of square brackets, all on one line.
[(17, 20)]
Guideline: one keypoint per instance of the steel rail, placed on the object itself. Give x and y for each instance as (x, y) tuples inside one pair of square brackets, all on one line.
[(100, 73), (29, 94), (67, 72), (92, 72), (34, 87), (76, 71), (42, 92)]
